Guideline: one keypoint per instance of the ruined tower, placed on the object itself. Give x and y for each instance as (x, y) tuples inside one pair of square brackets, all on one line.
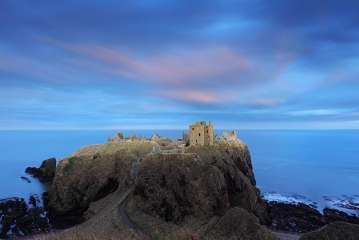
[(201, 134), (229, 136)]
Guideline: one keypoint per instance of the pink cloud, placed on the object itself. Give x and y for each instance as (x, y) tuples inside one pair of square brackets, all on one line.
[(193, 74), (172, 68), (194, 96), (267, 102)]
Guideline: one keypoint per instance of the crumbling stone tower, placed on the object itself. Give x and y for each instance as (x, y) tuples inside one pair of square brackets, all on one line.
[(201, 134), (229, 136)]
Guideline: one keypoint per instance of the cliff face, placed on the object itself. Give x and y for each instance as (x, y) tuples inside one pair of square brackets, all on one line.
[(190, 193), (92, 173), (203, 182)]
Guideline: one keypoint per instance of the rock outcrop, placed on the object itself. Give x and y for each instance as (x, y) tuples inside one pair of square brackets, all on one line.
[(334, 231), (46, 172), (333, 215), (294, 217), (136, 188), (92, 173), (19, 219), (301, 218), (203, 191), (202, 182)]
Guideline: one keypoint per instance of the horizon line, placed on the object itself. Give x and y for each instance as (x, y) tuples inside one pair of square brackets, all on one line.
[(164, 129)]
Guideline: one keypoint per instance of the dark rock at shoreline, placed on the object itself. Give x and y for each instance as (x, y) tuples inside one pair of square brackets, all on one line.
[(334, 231), (294, 217), (64, 222), (61, 221), (302, 218), (334, 215), (25, 179), (46, 172), (17, 219), (10, 210), (45, 199), (34, 201)]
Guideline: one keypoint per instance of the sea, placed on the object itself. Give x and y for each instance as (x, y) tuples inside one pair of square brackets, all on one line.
[(317, 167)]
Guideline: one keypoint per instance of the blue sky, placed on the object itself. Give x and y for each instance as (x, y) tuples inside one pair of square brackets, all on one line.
[(165, 63)]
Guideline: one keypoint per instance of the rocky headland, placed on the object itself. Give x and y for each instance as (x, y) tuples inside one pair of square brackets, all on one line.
[(160, 189), (136, 188), (46, 172)]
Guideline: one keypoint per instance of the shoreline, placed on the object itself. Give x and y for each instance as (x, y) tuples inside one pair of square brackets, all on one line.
[(343, 202), (281, 232)]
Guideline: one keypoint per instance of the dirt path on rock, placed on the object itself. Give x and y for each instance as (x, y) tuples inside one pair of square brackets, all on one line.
[(126, 219), (286, 236)]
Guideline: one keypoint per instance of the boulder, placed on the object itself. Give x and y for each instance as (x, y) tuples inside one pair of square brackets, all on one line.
[(334, 231), (334, 215), (46, 172), (238, 223), (26, 179), (294, 217)]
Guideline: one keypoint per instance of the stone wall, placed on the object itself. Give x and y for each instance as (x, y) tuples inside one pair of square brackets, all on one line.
[(201, 134), (196, 134), (209, 134)]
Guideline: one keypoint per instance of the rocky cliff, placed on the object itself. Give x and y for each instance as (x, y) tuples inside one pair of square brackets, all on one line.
[(92, 173), (133, 189)]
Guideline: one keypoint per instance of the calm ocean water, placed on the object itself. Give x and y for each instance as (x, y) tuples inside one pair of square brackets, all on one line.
[(320, 167)]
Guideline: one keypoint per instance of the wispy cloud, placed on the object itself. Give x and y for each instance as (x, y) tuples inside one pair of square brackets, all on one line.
[(195, 96), (176, 67), (318, 112), (267, 102)]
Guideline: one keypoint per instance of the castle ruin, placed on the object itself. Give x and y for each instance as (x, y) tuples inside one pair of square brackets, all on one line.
[(201, 134), (229, 136)]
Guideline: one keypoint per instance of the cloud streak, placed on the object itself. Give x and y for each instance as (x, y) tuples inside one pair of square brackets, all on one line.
[(95, 63), (173, 67)]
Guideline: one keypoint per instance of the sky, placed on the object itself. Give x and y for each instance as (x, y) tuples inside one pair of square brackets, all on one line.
[(163, 64)]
